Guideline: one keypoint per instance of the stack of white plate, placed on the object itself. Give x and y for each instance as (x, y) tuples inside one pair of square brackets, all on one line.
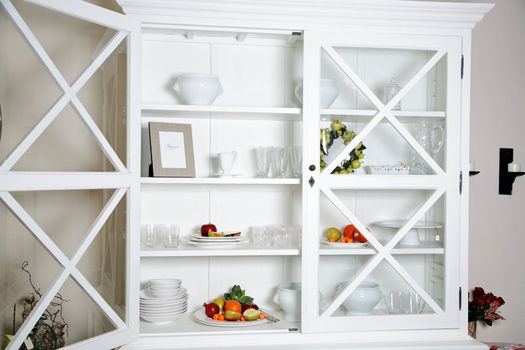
[(163, 300), (216, 242)]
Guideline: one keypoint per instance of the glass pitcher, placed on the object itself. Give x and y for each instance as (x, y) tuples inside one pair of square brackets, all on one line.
[(431, 137)]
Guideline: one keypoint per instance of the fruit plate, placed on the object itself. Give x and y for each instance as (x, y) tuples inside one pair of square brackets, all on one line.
[(200, 238), (220, 244), (200, 316), (344, 245)]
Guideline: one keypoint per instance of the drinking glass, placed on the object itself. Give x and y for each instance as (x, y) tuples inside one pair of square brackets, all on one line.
[(146, 236), (159, 230), (279, 161), (257, 236), (170, 237), (296, 161), (262, 161)]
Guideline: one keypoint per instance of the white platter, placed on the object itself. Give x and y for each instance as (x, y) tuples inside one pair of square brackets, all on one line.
[(344, 245), (400, 223), (200, 316)]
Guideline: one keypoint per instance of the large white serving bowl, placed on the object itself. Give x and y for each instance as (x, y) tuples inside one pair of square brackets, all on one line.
[(198, 89), (363, 299), (328, 92)]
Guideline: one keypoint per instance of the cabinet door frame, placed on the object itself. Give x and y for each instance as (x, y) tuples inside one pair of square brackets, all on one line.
[(125, 180), (444, 182)]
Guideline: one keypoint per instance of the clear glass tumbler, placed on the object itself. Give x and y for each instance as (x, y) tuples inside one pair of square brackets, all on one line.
[(296, 161), (262, 161), (146, 236), (279, 157), (170, 237)]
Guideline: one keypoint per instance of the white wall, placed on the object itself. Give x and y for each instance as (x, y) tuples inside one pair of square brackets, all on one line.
[(497, 223)]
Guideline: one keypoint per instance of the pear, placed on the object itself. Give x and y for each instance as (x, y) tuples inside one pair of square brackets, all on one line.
[(219, 302)]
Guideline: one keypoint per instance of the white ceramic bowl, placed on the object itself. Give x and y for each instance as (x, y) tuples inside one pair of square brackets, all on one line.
[(363, 299), (328, 92), (198, 89)]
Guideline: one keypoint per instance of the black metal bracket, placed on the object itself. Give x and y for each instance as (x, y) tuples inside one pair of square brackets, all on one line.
[(472, 173), (506, 178)]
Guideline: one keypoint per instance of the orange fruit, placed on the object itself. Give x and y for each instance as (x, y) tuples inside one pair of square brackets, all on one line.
[(233, 305), (349, 230)]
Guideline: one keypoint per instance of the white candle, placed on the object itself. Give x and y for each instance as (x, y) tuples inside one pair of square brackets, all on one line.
[(514, 167), (472, 166)]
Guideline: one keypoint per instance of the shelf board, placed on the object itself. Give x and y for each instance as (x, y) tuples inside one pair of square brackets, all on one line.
[(185, 325), (155, 110), (429, 249), (247, 250), (218, 181), (371, 112)]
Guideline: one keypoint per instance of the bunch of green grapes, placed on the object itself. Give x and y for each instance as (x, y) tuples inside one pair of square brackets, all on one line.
[(328, 135)]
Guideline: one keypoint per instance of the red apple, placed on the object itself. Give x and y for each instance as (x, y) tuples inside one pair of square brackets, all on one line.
[(207, 228)]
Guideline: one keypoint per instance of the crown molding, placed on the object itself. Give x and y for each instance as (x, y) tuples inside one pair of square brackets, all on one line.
[(301, 14)]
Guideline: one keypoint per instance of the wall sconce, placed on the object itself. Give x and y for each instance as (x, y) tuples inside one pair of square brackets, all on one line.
[(508, 171), (472, 169)]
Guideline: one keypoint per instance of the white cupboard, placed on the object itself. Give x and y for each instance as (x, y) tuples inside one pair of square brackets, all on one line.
[(388, 155)]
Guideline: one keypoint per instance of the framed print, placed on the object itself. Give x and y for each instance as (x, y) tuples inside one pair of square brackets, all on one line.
[(171, 150)]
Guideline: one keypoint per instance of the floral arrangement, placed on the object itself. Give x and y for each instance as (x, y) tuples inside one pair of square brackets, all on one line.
[(50, 330), (484, 306)]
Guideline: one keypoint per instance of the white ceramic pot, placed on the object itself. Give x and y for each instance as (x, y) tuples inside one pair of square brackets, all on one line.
[(288, 297), (363, 299), (328, 92), (198, 89)]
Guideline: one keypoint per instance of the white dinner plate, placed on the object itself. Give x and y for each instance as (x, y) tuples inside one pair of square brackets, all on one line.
[(170, 312), (161, 304), (144, 295), (399, 223), (163, 307), (200, 316), (217, 244), (215, 239), (344, 245), (161, 319)]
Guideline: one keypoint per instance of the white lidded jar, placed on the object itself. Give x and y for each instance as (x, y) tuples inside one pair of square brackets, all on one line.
[(198, 88)]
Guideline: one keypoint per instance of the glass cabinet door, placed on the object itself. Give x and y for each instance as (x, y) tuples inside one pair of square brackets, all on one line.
[(69, 180), (380, 250)]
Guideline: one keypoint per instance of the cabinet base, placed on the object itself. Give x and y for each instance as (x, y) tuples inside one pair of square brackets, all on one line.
[(271, 343)]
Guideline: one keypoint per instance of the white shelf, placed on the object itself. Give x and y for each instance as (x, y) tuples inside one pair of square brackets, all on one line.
[(371, 112), (219, 181), (189, 250), (428, 249), (153, 111), (185, 325)]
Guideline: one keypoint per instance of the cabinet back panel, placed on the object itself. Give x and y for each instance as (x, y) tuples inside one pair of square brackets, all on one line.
[(206, 278), (251, 74)]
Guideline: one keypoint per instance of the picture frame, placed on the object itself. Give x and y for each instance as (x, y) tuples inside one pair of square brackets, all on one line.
[(171, 150)]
